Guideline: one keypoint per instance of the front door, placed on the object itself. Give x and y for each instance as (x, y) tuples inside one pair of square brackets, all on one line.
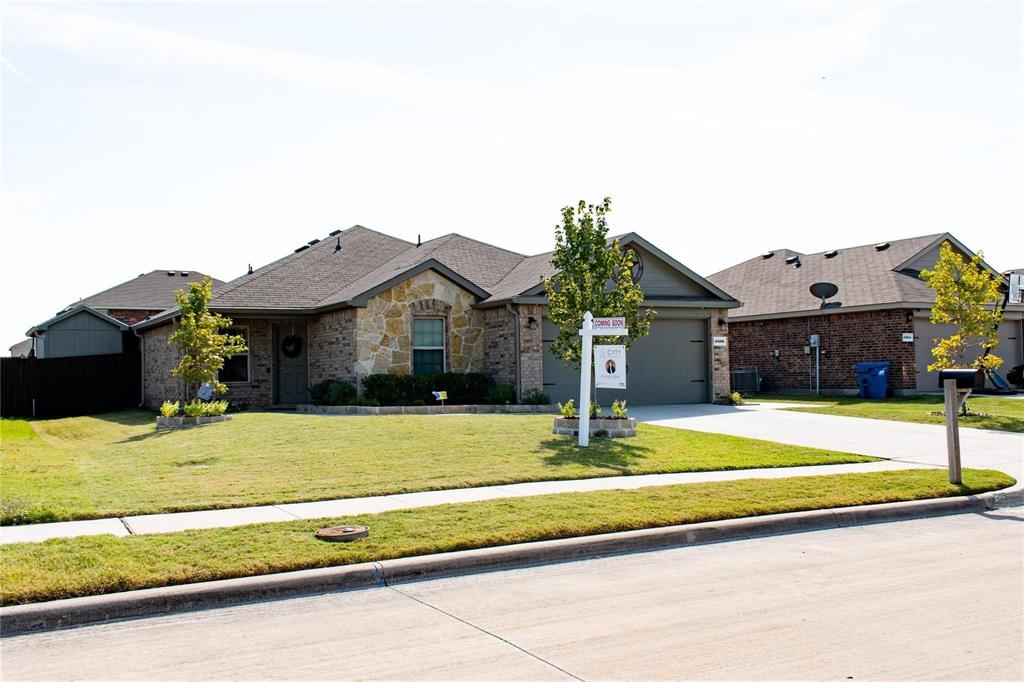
[(292, 365)]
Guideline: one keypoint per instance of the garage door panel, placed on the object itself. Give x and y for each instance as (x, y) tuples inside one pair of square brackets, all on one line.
[(667, 366)]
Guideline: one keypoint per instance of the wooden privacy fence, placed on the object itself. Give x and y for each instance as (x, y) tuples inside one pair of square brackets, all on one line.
[(62, 387)]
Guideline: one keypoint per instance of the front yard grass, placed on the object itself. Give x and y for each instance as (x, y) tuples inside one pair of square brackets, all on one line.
[(75, 567), (999, 414), (118, 464)]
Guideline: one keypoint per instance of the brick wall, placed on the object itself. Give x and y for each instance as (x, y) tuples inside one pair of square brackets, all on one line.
[(258, 392), (531, 349), (158, 359), (499, 345), (332, 347), (846, 339), (131, 317)]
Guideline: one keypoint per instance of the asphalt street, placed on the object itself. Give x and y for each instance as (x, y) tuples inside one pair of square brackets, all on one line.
[(939, 598)]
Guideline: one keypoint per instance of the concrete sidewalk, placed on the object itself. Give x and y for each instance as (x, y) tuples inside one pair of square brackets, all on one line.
[(240, 516)]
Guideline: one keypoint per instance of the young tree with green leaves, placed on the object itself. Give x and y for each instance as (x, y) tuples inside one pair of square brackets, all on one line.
[(593, 275), (198, 336), (966, 296)]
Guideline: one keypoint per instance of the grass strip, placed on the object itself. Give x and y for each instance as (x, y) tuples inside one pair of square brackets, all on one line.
[(119, 465), (61, 568), (993, 413)]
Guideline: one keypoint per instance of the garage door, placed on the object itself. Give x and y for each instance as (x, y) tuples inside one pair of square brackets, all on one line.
[(667, 366), (1009, 349)]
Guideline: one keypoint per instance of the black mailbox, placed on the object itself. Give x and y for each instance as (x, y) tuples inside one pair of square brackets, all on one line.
[(965, 378)]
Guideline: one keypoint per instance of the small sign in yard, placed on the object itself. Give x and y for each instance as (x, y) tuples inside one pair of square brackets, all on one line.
[(205, 392), (610, 366), (440, 395)]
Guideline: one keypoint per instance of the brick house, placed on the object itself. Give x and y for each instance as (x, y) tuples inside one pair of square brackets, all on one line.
[(100, 324), (360, 302), (881, 312)]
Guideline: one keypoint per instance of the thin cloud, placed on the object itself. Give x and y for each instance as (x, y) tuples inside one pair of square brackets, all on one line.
[(139, 46), (15, 70)]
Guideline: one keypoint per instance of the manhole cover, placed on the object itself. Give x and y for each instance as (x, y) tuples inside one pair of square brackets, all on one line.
[(342, 533)]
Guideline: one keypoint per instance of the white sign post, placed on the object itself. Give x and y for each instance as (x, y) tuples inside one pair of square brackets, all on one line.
[(601, 326)]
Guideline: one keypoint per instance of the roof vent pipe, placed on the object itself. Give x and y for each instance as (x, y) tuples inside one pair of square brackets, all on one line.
[(419, 241), (250, 269), (337, 245)]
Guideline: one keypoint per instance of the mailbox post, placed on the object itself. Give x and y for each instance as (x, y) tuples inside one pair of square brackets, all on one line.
[(956, 385)]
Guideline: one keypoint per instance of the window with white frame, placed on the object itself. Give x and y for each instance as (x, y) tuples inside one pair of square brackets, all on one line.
[(236, 368), (427, 345)]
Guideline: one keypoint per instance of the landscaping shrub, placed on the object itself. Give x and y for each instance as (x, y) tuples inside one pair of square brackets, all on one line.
[(198, 408), (536, 398), (393, 389), (568, 410), (215, 408), (363, 402), (502, 394), (736, 398), (339, 393), (619, 409), (331, 392), (169, 409)]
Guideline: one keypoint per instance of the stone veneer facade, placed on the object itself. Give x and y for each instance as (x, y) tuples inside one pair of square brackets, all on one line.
[(384, 327), (720, 377)]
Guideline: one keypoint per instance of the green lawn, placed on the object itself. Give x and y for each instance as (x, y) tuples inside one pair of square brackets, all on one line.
[(118, 464), (1001, 414), (93, 565)]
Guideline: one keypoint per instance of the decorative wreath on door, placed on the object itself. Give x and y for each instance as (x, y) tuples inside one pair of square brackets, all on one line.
[(291, 346)]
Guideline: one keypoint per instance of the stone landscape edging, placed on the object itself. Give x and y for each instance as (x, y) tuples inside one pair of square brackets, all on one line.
[(365, 410), (163, 422), (234, 591)]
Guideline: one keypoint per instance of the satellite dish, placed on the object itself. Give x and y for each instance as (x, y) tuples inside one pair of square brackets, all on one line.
[(824, 290)]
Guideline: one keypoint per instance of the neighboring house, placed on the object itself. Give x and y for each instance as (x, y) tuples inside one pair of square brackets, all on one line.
[(148, 294), (99, 324), (361, 302), (80, 330), (22, 349), (881, 312)]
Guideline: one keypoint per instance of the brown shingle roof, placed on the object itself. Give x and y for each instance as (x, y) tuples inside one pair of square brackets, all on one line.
[(305, 278), (151, 291), (864, 275)]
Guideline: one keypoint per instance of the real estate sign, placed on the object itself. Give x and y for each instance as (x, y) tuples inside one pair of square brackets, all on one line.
[(610, 366)]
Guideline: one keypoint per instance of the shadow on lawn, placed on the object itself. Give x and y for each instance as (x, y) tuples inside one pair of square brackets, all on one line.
[(611, 453)]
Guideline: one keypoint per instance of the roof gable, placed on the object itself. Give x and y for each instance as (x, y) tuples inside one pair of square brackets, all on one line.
[(866, 276), (69, 313)]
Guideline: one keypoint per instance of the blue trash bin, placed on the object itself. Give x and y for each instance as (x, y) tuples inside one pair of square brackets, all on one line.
[(873, 378)]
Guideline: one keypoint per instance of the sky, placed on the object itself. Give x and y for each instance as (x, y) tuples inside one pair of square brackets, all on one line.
[(207, 137)]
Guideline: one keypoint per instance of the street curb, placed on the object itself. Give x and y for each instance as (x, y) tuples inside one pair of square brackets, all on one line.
[(219, 593)]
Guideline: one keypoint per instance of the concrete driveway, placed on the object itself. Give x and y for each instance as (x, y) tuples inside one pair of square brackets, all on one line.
[(903, 441)]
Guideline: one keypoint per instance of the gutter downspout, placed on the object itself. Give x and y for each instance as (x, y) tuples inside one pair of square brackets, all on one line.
[(515, 328), (142, 368)]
